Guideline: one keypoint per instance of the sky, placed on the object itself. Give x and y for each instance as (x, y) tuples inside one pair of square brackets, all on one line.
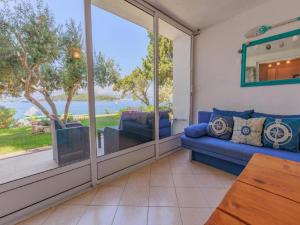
[(115, 37)]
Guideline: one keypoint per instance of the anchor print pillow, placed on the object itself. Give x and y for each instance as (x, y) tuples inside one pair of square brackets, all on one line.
[(282, 134), (220, 126), (248, 131)]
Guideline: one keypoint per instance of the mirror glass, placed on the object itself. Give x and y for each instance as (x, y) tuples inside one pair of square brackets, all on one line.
[(273, 62)]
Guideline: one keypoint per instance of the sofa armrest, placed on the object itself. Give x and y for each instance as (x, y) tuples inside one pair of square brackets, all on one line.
[(196, 130)]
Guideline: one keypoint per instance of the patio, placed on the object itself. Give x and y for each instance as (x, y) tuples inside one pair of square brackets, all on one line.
[(17, 167)]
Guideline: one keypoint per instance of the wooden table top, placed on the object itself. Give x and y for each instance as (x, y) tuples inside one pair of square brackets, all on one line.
[(267, 192)]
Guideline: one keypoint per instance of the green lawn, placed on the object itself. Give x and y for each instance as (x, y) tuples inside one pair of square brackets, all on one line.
[(21, 139)]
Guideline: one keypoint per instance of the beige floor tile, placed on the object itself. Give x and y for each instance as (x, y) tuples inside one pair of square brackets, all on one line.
[(135, 196), (164, 216), (163, 180), (190, 197), (144, 170), (98, 215), (179, 157), (107, 196), (38, 219), (209, 180), (160, 167), (118, 182), (185, 180), (213, 196), (162, 196), (66, 215), (198, 190), (226, 178), (128, 215), (181, 168), (138, 179), (82, 199), (195, 216), (200, 168)]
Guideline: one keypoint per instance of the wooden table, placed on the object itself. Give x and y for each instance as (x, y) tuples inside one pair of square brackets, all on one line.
[(267, 192)]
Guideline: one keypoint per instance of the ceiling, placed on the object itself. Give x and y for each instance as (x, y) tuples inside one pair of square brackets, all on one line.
[(197, 14)]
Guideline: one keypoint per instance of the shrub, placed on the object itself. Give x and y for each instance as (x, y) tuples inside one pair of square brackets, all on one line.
[(6, 117)]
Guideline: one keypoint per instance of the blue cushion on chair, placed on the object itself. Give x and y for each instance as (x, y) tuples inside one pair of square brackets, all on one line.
[(282, 133), (196, 130), (245, 114), (220, 126)]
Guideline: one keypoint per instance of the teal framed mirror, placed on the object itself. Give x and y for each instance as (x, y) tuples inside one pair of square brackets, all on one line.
[(273, 60)]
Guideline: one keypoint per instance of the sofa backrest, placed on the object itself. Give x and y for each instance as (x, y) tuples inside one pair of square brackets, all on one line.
[(257, 114), (203, 116)]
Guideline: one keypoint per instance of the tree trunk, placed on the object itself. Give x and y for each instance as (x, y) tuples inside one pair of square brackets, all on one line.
[(68, 102), (51, 103), (37, 104), (146, 99)]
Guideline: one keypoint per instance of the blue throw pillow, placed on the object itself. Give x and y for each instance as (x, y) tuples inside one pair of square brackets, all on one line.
[(282, 134), (196, 130), (220, 126), (245, 114)]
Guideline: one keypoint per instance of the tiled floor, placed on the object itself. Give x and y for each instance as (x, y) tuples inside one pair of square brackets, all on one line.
[(171, 191)]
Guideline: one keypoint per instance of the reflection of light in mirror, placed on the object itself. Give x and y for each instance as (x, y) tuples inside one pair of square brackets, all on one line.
[(295, 38), (278, 63), (288, 62), (270, 65), (281, 44)]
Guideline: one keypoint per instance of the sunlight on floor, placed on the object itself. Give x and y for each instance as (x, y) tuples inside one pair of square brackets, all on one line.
[(171, 191)]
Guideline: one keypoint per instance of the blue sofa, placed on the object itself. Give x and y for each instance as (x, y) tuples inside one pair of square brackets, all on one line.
[(144, 132), (226, 155)]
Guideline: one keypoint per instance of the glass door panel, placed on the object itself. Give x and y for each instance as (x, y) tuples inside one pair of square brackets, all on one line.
[(174, 79), (43, 94), (123, 75)]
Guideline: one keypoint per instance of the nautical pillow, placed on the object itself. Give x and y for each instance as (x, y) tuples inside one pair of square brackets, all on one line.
[(282, 134), (220, 126), (248, 131)]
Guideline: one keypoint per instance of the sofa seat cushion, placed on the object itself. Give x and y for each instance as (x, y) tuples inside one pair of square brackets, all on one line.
[(239, 153)]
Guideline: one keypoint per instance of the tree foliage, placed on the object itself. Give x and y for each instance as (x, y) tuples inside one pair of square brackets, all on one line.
[(6, 117), (138, 82), (106, 71), (38, 57)]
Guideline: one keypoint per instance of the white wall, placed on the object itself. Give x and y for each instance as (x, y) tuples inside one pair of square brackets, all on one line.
[(217, 64)]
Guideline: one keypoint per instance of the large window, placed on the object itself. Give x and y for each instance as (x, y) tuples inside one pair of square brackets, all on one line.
[(44, 105), (43, 96), (123, 75), (174, 52)]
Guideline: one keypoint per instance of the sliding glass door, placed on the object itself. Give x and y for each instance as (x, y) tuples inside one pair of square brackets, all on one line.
[(122, 36), (43, 87), (174, 70)]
